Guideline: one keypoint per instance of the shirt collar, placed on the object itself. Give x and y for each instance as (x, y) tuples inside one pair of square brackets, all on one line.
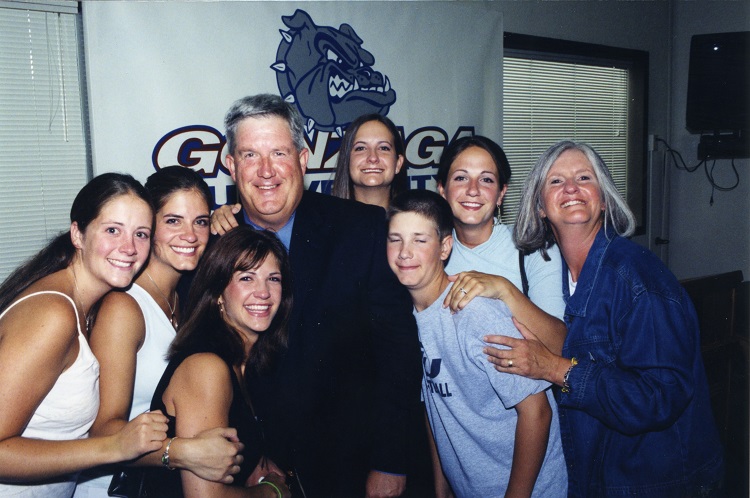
[(577, 303), (284, 233)]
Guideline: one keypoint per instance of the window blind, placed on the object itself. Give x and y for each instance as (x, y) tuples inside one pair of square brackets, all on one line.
[(44, 157), (546, 101)]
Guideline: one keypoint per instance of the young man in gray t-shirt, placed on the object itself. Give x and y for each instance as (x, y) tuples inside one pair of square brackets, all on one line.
[(494, 434)]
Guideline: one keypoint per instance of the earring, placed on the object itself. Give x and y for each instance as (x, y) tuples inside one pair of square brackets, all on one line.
[(221, 306)]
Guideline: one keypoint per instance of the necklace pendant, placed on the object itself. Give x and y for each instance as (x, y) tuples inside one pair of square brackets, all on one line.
[(172, 309)]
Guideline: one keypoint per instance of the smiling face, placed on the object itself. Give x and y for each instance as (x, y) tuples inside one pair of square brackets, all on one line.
[(416, 254), (181, 230), (473, 189), (373, 162), (571, 195), (252, 298), (116, 243), (268, 170)]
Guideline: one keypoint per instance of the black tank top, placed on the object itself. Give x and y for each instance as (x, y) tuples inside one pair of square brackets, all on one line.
[(161, 482)]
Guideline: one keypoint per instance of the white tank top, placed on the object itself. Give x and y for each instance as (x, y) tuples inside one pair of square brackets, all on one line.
[(151, 359), (151, 362), (67, 412)]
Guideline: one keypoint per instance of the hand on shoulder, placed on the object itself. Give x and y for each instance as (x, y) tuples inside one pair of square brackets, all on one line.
[(223, 220)]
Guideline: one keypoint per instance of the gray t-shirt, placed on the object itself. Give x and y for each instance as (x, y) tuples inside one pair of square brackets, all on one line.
[(499, 256), (470, 405)]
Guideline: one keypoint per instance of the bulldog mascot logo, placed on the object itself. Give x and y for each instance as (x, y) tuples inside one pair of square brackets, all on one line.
[(327, 74)]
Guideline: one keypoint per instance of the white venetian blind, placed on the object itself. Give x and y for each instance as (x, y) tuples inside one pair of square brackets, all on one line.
[(43, 156), (546, 101)]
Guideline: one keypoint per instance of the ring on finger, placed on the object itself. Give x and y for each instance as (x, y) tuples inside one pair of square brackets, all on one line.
[(462, 290), (510, 363)]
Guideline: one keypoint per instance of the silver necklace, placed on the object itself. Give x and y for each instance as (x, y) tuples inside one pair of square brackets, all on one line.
[(77, 295), (172, 309)]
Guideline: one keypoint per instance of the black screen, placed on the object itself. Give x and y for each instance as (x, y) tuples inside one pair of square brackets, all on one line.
[(718, 94)]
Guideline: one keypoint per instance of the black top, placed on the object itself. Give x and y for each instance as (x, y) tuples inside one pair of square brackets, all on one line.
[(161, 482)]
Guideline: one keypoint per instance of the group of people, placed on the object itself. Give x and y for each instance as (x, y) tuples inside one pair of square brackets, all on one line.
[(555, 357)]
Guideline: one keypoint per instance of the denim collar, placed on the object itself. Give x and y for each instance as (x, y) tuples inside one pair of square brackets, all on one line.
[(578, 303)]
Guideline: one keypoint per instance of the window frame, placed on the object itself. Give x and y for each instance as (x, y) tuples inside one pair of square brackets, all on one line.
[(636, 62)]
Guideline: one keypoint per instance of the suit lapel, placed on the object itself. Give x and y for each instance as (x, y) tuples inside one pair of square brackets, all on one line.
[(308, 252)]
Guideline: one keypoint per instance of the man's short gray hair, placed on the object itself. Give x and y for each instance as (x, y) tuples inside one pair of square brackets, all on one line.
[(259, 106)]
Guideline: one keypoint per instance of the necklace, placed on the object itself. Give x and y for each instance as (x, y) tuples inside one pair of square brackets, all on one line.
[(86, 318), (172, 309)]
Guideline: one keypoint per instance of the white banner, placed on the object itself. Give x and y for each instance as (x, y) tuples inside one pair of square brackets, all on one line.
[(161, 76)]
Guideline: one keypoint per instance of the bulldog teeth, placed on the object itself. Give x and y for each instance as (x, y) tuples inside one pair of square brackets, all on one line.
[(338, 87)]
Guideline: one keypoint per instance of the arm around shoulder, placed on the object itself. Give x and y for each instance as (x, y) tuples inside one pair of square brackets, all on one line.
[(223, 220)]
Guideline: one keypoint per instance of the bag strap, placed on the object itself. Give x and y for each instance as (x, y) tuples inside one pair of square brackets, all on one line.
[(522, 268)]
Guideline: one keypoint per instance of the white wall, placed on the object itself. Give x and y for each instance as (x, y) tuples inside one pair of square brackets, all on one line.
[(704, 239)]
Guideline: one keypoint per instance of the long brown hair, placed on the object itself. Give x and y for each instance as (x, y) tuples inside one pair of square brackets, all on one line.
[(59, 252), (205, 330), (342, 182)]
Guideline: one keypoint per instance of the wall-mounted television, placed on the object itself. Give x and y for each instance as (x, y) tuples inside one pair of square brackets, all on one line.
[(719, 83)]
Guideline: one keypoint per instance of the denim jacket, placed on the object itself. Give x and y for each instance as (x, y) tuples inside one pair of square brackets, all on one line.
[(637, 419)]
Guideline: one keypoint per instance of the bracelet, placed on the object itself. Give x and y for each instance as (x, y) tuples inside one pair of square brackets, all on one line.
[(165, 455), (566, 386), (278, 491)]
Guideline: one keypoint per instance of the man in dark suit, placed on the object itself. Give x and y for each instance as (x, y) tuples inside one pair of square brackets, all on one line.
[(338, 406)]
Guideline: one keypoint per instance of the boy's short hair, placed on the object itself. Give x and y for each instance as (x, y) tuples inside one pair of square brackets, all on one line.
[(427, 203)]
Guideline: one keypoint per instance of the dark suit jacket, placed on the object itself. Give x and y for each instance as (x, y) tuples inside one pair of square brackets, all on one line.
[(338, 404)]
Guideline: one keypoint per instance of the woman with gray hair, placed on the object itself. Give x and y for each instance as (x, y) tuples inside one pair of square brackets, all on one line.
[(635, 415)]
